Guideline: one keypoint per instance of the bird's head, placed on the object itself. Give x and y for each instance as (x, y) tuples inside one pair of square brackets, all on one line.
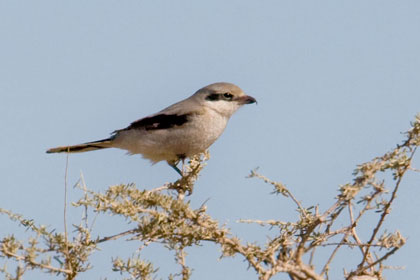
[(224, 98)]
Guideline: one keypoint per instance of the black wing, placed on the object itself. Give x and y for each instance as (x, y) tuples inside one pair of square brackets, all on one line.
[(161, 121)]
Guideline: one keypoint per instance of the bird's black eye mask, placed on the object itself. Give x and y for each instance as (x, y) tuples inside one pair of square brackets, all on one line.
[(219, 96)]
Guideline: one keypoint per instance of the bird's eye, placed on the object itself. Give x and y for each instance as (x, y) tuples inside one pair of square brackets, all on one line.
[(227, 95)]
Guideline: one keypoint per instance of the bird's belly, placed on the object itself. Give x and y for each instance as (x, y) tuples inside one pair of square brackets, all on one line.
[(170, 144)]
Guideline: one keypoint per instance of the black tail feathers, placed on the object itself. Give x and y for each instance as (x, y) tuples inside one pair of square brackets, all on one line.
[(90, 146)]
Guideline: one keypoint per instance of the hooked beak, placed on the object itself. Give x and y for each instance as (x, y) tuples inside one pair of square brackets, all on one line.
[(246, 99)]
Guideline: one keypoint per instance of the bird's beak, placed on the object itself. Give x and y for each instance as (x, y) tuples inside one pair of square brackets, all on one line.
[(246, 99)]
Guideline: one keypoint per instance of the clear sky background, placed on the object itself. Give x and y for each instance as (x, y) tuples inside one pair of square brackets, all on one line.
[(336, 83)]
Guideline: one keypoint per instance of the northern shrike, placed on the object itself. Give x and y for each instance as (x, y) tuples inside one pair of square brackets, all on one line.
[(182, 130)]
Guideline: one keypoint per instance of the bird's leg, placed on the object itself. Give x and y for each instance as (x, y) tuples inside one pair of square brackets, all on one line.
[(183, 165), (182, 186), (173, 165)]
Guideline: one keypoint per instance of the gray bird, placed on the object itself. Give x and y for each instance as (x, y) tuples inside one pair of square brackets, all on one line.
[(182, 130)]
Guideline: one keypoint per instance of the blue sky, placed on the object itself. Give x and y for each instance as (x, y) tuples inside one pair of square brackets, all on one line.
[(336, 83)]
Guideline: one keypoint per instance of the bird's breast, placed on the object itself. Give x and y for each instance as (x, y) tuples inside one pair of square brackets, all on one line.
[(203, 129)]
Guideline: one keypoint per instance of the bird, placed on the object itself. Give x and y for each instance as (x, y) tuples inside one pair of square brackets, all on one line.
[(177, 132)]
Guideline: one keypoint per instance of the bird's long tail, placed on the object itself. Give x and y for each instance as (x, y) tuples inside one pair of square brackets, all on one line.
[(90, 146)]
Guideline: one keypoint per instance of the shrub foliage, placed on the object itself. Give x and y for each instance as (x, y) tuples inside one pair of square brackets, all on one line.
[(164, 215)]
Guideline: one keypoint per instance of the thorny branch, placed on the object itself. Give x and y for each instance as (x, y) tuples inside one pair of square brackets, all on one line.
[(163, 215)]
